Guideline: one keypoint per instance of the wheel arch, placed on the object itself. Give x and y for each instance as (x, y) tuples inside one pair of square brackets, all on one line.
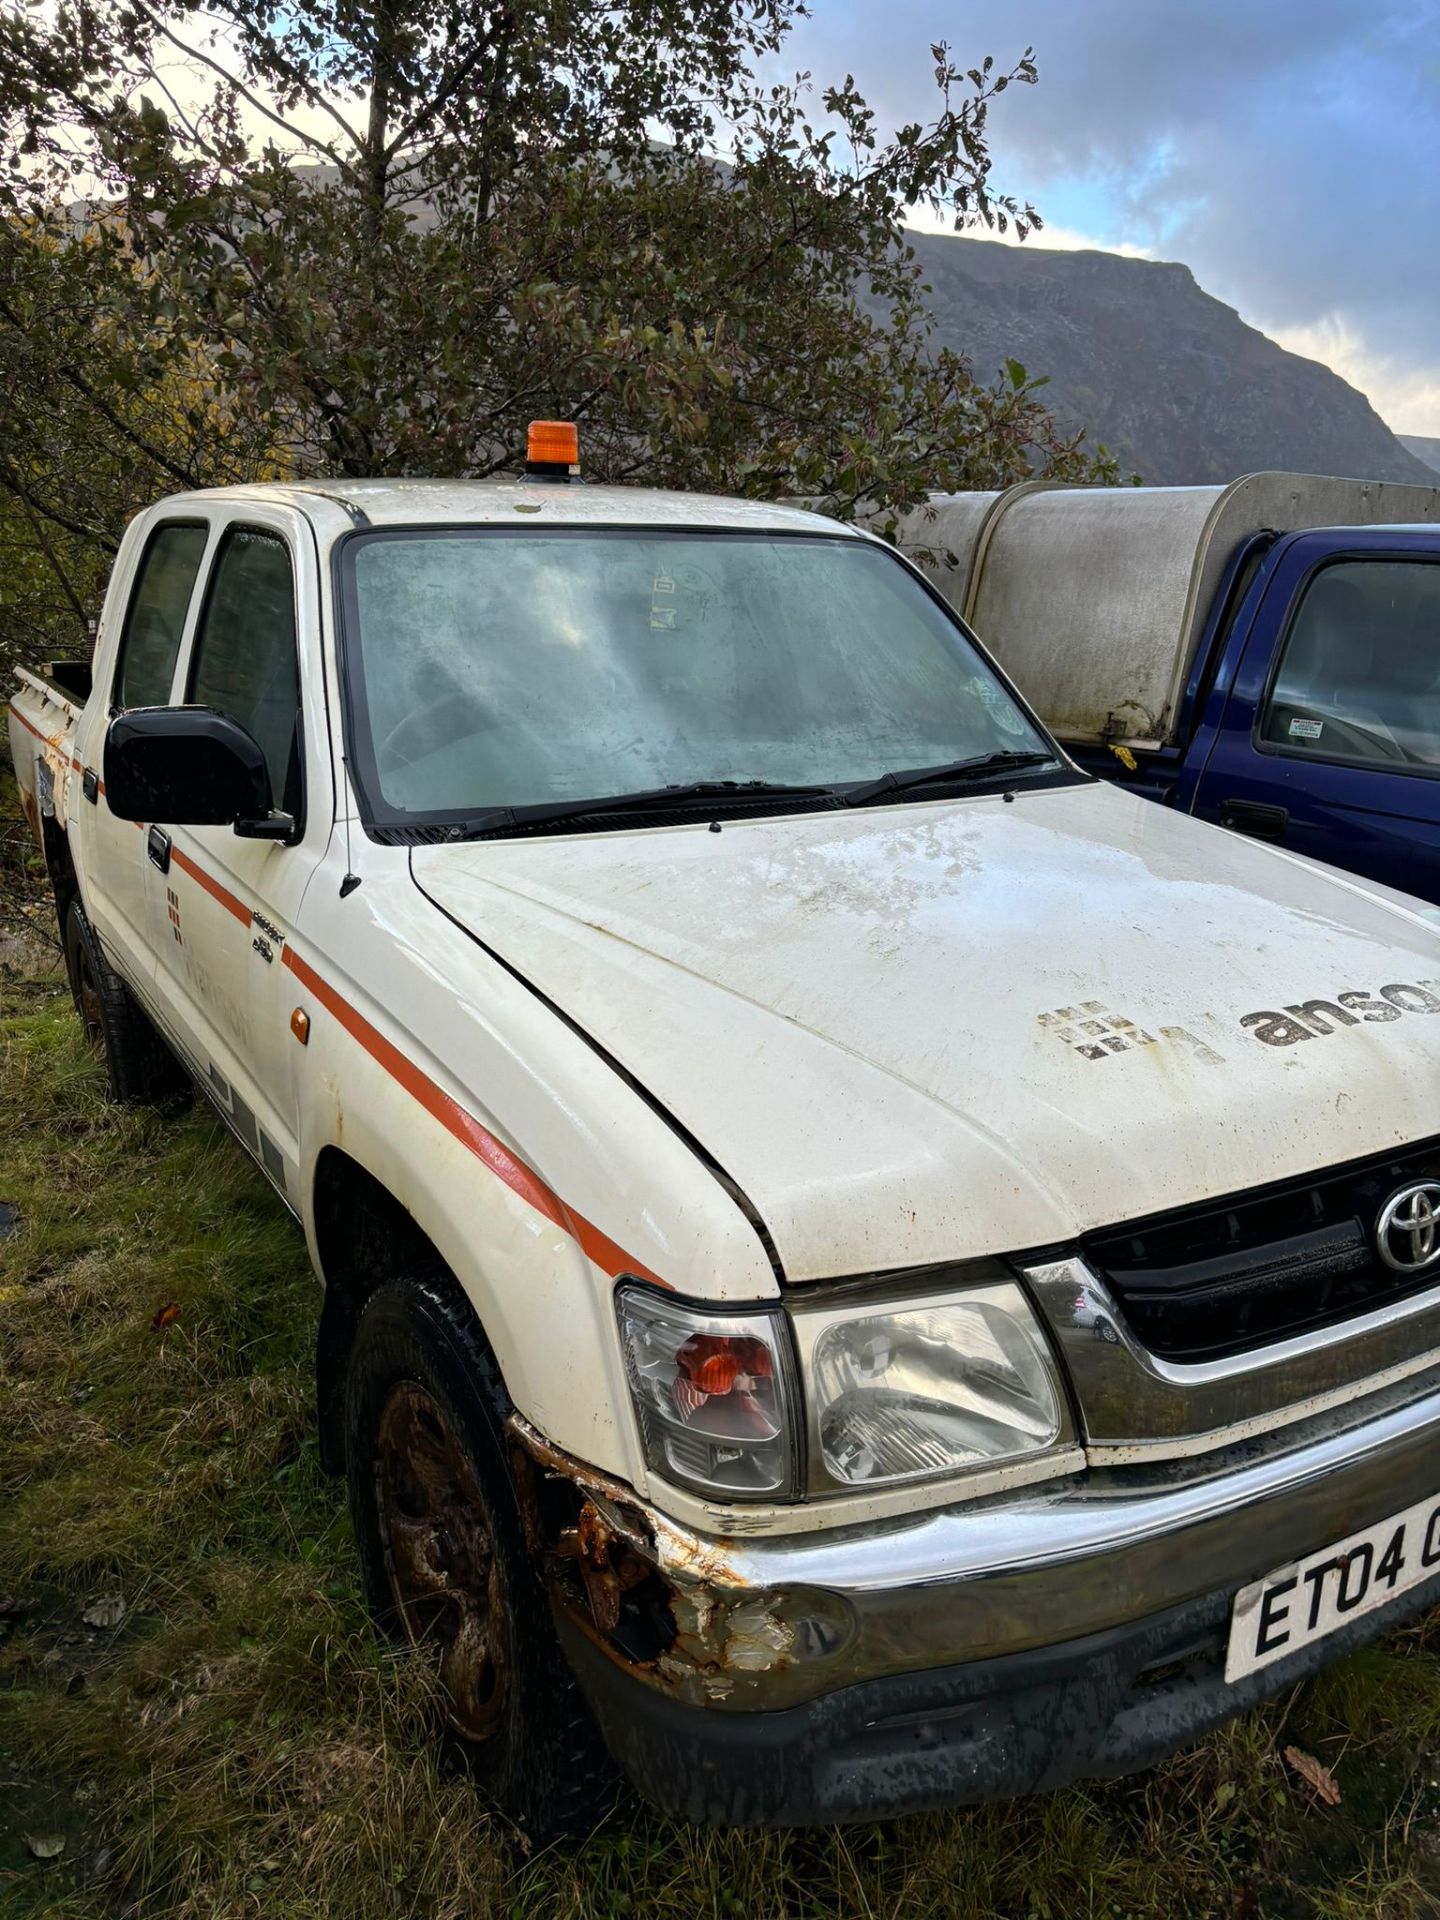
[(386, 1179), (363, 1235)]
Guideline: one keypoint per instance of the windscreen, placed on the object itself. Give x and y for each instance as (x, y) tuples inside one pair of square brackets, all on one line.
[(494, 668)]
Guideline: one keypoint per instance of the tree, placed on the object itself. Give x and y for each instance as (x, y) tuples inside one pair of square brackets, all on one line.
[(380, 237), (95, 422)]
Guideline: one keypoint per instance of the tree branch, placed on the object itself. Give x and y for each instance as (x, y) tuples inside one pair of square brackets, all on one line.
[(43, 542), (82, 386), (14, 484), (447, 90), (246, 93), (267, 49)]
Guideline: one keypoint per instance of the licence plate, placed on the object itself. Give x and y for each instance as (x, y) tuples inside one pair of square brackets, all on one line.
[(1299, 1604)]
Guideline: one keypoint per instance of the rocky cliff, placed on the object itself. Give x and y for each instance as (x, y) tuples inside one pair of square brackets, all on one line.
[(1425, 447), (1171, 380)]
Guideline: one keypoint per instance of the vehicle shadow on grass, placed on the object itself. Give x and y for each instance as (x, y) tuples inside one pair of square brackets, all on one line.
[(195, 1719)]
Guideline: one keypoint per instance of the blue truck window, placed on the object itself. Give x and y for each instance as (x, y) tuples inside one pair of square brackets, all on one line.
[(1359, 679)]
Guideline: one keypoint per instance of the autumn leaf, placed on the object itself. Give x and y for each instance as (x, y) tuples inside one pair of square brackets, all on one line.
[(1315, 1775)]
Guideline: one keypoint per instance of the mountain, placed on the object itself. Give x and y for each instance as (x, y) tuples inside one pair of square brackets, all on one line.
[(1424, 447), (1170, 379)]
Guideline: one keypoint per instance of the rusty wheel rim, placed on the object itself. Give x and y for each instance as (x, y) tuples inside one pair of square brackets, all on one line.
[(440, 1558), (88, 995)]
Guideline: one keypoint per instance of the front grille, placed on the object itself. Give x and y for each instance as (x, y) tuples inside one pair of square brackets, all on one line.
[(1257, 1267)]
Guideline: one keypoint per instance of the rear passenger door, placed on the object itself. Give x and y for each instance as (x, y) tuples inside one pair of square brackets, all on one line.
[(225, 906), (153, 627), (1330, 742)]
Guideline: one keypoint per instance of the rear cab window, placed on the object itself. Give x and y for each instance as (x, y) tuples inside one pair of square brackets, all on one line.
[(155, 616), (1359, 678)]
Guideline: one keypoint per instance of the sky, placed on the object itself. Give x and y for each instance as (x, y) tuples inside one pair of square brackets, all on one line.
[(1287, 151)]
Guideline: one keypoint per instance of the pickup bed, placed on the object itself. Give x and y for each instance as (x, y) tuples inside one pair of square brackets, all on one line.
[(864, 1268)]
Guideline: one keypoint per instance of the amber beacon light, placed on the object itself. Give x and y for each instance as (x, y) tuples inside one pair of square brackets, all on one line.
[(552, 450)]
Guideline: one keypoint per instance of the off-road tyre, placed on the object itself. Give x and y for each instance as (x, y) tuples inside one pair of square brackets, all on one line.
[(418, 1348), (139, 1067)]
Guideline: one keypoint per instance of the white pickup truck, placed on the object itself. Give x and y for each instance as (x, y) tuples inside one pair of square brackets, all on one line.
[(863, 1267)]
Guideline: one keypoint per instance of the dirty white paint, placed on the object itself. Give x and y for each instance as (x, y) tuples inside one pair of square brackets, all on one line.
[(856, 1013), (861, 1017)]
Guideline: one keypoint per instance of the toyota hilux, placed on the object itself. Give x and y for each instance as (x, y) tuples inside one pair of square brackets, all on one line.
[(863, 1268)]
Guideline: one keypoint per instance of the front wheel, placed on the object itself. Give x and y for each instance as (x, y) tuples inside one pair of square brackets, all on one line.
[(443, 1556)]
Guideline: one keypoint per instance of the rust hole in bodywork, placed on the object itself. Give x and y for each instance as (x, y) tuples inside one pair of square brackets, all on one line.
[(609, 1566), (588, 1544), (628, 1601), (693, 1630)]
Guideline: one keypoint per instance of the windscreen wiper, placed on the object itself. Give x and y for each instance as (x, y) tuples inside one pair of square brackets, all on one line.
[(976, 768), (648, 800)]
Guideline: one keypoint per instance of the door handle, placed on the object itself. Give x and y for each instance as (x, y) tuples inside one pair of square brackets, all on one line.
[(157, 845), (90, 786), (1249, 816)]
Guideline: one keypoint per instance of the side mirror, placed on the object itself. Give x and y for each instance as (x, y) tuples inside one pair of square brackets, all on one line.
[(190, 767)]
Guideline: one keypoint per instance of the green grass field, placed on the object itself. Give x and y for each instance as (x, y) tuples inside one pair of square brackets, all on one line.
[(234, 1743)]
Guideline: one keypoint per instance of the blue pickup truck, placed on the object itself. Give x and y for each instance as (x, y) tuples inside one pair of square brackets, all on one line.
[(1264, 655)]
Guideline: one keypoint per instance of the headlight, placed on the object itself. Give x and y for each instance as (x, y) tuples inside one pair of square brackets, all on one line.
[(932, 1387), (715, 1394)]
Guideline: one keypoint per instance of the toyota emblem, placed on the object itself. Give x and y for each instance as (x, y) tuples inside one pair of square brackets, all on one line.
[(1407, 1234)]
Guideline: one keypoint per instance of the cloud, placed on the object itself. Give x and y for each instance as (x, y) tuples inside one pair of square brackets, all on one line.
[(1402, 392), (1286, 151), (1067, 239)]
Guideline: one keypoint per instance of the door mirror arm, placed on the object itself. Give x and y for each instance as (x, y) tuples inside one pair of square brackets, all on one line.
[(274, 826)]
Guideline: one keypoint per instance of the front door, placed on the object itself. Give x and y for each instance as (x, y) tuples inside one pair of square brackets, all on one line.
[(1330, 742), (225, 905)]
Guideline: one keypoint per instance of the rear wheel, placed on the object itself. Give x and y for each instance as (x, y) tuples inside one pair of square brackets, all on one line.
[(443, 1556), (138, 1064)]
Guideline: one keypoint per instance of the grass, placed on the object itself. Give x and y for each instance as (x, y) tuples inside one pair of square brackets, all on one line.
[(236, 1744)]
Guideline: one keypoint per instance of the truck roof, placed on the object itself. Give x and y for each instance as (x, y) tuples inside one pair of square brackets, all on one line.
[(395, 503)]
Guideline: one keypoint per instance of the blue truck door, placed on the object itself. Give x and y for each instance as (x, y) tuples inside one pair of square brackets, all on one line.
[(1329, 741)]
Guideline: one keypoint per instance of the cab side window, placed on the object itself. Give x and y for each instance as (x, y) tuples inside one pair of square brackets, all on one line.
[(244, 661), (155, 617), (1359, 679)]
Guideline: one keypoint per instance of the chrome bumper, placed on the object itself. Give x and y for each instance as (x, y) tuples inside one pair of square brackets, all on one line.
[(765, 1624)]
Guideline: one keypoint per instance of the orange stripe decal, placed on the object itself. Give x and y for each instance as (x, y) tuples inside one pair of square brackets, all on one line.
[(211, 885), (522, 1180), (28, 725), (45, 739), (49, 740), (595, 1245)]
